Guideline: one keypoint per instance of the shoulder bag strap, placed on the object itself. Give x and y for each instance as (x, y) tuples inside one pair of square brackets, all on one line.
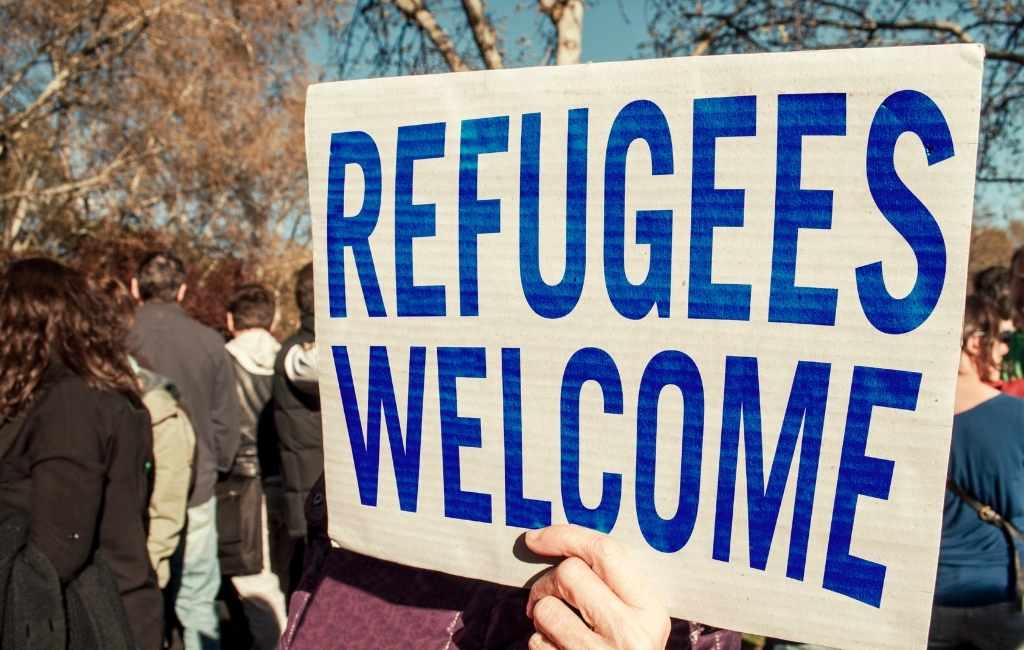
[(990, 515)]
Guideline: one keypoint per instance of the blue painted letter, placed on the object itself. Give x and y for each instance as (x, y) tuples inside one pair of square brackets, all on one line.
[(713, 118), (476, 216), (669, 368), (557, 300), (902, 112), (862, 474), (742, 407), (458, 432), (416, 142), (519, 511), (800, 115), (588, 364), (355, 148), (638, 120), (405, 454)]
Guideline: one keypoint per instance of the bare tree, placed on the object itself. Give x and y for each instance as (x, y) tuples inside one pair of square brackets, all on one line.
[(683, 27), (48, 58), (179, 115), (388, 37)]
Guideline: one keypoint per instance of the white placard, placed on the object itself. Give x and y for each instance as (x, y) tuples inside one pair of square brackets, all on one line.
[(710, 305)]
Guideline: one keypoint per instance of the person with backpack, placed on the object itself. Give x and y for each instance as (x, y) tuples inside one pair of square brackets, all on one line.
[(192, 356), (252, 522), (75, 470)]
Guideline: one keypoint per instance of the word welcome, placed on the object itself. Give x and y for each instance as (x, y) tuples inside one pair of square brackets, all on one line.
[(859, 474)]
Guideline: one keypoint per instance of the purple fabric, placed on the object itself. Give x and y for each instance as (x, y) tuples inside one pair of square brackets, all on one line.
[(353, 601)]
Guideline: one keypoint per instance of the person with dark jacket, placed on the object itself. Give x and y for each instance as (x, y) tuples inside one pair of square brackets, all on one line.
[(297, 417), (174, 444), (79, 463), (253, 350), (193, 357)]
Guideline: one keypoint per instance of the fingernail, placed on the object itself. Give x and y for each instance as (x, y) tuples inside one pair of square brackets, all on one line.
[(531, 535)]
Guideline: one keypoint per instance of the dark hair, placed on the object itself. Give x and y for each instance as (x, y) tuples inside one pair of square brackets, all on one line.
[(160, 276), (304, 290), (251, 306), (122, 308), (981, 317), (49, 312), (993, 284), (122, 304)]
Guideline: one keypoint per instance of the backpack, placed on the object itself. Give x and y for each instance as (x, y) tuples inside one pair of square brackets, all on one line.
[(168, 415), (35, 612), (174, 449)]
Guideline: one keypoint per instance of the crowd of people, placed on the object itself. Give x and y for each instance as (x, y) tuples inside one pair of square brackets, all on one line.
[(154, 478), (141, 462), (161, 486)]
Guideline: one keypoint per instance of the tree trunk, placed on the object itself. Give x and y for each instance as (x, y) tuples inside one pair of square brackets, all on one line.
[(567, 16)]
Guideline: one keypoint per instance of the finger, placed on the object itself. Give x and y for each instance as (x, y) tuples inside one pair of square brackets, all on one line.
[(576, 583), (538, 642), (562, 628), (609, 559)]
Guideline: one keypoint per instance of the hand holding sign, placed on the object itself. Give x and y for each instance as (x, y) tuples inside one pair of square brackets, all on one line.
[(598, 578)]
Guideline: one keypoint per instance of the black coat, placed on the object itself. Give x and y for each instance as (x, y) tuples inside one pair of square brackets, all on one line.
[(258, 445), (297, 416), (81, 468), (166, 340)]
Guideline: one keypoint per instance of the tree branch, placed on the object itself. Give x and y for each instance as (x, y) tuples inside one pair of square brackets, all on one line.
[(13, 229), (707, 37), (483, 33), (1001, 179), (81, 62), (99, 178), (417, 13), (955, 30)]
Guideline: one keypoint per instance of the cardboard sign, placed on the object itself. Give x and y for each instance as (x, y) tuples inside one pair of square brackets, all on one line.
[(710, 305)]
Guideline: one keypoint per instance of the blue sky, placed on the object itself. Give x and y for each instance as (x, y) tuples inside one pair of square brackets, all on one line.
[(613, 30)]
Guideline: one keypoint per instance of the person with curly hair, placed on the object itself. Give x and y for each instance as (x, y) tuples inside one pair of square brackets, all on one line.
[(79, 461), (994, 285)]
